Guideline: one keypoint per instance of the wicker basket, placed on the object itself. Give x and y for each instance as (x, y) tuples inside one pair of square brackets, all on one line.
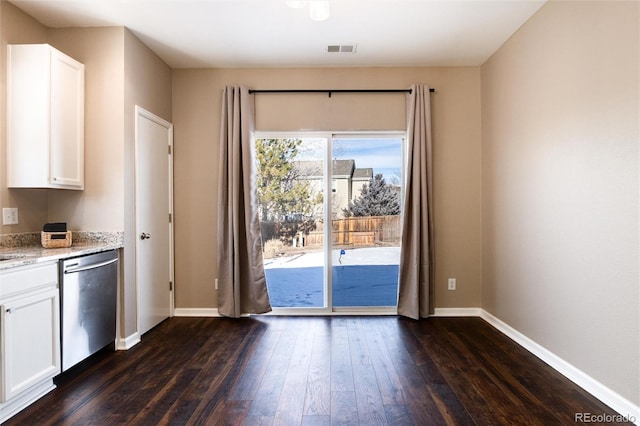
[(56, 239)]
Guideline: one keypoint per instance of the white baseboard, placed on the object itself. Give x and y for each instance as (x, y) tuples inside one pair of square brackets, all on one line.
[(588, 383), (457, 312), (196, 312), (128, 342)]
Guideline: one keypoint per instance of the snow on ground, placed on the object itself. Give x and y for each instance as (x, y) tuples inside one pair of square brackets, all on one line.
[(355, 285), (359, 256), (360, 277)]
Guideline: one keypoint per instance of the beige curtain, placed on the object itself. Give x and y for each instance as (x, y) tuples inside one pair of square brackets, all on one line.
[(242, 287), (415, 293)]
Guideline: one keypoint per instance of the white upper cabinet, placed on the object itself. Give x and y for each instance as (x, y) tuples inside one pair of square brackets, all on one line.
[(45, 118)]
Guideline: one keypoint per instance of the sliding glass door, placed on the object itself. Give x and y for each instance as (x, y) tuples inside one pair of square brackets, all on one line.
[(365, 217), (330, 220)]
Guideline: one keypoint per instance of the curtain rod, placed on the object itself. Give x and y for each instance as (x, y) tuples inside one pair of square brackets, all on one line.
[(330, 91)]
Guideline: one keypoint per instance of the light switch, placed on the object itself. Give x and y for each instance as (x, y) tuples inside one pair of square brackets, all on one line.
[(9, 216)]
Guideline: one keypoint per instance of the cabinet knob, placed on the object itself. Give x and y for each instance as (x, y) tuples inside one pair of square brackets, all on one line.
[(145, 236), (8, 310)]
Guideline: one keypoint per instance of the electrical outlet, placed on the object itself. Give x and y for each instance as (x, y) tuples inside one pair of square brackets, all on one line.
[(452, 284), (9, 216)]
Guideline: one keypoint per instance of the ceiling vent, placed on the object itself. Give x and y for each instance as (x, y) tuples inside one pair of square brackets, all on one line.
[(341, 48)]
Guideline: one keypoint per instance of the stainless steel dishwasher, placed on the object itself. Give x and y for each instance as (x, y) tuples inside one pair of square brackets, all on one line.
[(87, 305)]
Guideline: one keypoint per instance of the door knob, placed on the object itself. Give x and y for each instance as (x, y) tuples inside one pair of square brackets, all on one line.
[(145, 236)]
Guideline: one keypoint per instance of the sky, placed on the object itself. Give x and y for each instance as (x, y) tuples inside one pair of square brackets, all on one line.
[(383, 155)]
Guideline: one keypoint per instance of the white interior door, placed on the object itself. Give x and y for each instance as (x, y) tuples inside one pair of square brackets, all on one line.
[(154, 210)]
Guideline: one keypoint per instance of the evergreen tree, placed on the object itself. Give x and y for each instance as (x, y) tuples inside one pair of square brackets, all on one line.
[(376, 199), (283, 198), (281, 195)]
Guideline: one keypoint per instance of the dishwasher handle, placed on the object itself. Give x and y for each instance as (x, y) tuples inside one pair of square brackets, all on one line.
[(88, 267)]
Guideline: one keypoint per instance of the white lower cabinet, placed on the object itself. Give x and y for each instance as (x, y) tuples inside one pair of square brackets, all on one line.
[(29, 335)]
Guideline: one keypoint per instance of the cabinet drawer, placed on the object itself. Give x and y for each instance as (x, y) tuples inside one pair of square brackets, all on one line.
[(24, 279)]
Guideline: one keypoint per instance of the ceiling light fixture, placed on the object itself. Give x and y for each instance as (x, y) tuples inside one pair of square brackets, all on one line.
[(319, 10)]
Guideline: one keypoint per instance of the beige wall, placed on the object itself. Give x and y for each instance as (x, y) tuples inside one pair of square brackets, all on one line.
[(100, 206), (147, 83), (456, 106), (560, 187), (16, 27)]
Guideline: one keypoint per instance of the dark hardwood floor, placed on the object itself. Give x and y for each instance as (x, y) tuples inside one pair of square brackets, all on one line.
[(315, 371)]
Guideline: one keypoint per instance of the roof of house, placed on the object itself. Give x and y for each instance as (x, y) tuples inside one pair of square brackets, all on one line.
[(313, 169), (341, 169), (363, 174)]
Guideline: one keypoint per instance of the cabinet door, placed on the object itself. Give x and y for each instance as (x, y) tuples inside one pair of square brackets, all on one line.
[(28, 82), (66, 155), (30, 341)]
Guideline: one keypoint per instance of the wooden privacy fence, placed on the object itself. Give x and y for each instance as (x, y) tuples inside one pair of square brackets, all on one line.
[(359, 232)]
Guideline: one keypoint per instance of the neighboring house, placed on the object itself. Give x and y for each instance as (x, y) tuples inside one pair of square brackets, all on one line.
[(359, 178), (346, 181)]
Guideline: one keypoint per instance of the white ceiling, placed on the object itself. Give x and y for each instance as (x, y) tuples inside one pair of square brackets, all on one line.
[(267, 33)]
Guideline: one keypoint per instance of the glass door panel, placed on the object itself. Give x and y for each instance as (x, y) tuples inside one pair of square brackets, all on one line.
[(290, 181), (366, 199)]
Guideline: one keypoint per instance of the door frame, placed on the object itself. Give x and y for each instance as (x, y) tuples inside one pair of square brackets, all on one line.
[(143, 113), (329, 309)]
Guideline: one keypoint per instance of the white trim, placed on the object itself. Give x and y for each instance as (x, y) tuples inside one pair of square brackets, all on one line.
[(457, 312), (365, 310), (588, 383), (196, 312), (128, 342), (368, 134), (304, 312), (327, 207), (213, 312), (337, 311)]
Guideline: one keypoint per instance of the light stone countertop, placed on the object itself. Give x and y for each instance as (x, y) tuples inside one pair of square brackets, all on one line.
[(32, 253)]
